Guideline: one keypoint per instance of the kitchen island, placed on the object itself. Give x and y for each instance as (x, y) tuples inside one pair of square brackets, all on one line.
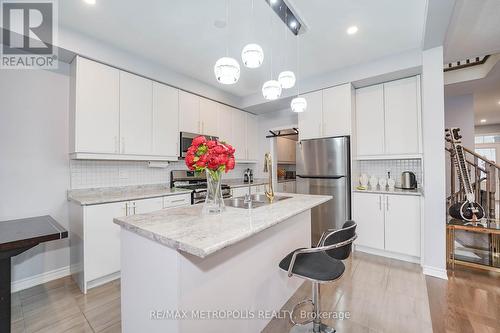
[(182, 271)]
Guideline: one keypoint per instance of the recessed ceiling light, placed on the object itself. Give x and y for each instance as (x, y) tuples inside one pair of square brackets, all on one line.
[(90, 2), (293, 24), (483, 121), (498, 102), (352, 30)]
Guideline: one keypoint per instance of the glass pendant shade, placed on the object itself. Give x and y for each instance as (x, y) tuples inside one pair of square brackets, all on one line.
[(286, 79), (298, 104), (227, 70), (271, 90), (252, 56)]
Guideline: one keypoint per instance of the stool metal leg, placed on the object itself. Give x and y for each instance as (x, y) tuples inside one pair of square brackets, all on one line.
[(316, 326)]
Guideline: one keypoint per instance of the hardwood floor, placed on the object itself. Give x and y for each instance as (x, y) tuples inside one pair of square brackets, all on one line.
[(382, 295)]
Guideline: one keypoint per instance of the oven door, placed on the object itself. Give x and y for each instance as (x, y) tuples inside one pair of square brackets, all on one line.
[(187, 139)]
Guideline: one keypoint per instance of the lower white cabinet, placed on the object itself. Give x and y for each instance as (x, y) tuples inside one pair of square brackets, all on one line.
[(286, 187), (95, 239), (388, 222)]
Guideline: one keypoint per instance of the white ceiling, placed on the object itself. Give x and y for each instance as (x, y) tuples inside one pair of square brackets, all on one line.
[(486, 96), (474, 30), (181, 34)]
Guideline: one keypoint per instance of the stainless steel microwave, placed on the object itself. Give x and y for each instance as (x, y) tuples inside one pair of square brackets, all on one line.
[(187, 139)]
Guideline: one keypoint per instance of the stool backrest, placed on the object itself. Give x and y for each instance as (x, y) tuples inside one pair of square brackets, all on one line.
[(346, 234)]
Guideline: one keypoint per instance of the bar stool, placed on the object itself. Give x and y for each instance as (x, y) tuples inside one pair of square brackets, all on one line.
[(320, 264)]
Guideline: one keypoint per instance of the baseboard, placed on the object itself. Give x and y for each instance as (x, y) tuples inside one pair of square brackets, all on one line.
[(39, 279), (435, 272), (388, 254)]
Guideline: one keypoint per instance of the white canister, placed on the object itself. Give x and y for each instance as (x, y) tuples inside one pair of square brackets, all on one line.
[(391, 183), (382, 182), (373, 182)]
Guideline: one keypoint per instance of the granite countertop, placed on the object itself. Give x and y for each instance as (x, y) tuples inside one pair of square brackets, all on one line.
[(186, 229), (234, 183), (95, 196), (417, 192)]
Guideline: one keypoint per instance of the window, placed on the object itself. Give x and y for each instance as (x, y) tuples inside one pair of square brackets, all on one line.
[(487, 138)]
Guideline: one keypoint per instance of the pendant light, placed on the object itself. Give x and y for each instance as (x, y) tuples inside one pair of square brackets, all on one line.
[(271, 89), (227, 69), (252, 54), (286, 78), (298, 104)]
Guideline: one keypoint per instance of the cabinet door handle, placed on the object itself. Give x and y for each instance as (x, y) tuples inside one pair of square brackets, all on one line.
[(178, 200), (126, 209), (387, 203), (380, 202), (134, 208), (123, 144)]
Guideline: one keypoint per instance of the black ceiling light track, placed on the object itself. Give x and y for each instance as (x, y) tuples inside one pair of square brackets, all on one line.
[(286, 15), (281, 133)]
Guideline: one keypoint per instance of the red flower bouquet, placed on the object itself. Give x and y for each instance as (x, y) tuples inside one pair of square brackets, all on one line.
[(214, 157)]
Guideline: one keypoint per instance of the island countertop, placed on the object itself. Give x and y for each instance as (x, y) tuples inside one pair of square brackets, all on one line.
[(188, 230)]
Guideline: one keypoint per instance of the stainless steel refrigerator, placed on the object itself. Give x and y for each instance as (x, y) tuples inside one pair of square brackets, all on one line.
[(324, 167)]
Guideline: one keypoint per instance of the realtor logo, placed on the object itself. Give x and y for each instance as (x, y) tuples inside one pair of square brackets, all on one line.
[(28, 34)]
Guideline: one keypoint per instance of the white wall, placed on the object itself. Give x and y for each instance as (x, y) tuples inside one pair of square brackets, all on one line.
[(434, 240), (459, 112), (34, 170), (487, 129)]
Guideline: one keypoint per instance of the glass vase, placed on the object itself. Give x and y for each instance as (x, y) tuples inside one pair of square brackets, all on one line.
[(214, 203)]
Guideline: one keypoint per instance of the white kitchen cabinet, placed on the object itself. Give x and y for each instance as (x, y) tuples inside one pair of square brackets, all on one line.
[(402, 224), (208, 117), (95, 107), (224, 120), (401, 102), (370, 123), (95, 239), (165, 120), (310, 121), (252, 137), (388, 119), (189, 113), (177, 200), (102, 240), (337, 111), (287, 187), (388, 222), (239, 124), (368, 213), (136, 113)]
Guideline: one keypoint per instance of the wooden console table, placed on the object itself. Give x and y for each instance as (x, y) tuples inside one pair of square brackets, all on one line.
[(17, 236), (490, 228)]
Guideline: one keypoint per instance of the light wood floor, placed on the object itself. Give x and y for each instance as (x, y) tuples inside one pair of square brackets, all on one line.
[(382, 295)]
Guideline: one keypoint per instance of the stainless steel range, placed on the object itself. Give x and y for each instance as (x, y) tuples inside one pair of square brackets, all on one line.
[(197, 183)]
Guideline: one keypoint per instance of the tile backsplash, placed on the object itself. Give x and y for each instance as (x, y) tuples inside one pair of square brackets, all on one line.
[(379, 169), (94, 174)]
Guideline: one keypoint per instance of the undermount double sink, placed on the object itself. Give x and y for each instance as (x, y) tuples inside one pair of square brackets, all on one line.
[(257, 200)]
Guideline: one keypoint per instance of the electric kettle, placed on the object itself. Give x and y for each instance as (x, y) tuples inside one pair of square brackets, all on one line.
[(408, 180)]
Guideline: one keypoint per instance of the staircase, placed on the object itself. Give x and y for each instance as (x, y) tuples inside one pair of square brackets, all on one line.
[(485, 177)]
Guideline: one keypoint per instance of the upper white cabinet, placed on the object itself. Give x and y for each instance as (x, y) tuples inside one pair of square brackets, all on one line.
[(388, 119), (165, 120), (252, 140), (136, 113), (329, 113), (310, 121), (239, 125), (121, 116), (95, 107), (337, 110), (402, 108), (189, 113), (208, 116), (224, 119), (370, 120)]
